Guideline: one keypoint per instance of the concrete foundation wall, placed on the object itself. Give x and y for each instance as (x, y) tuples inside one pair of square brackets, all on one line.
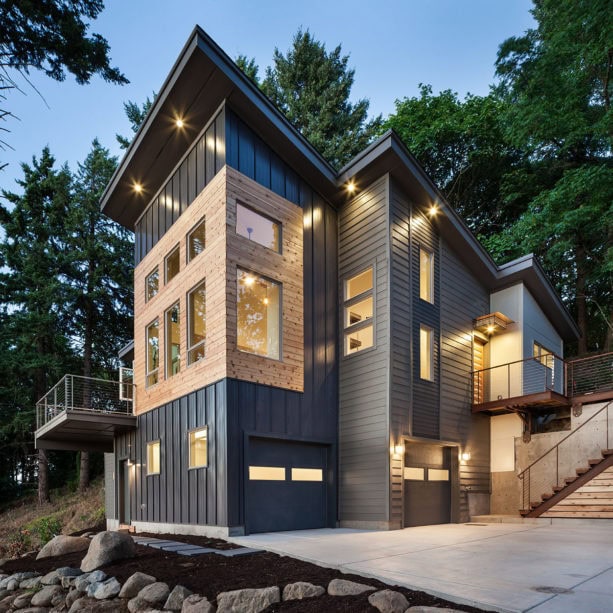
[(505, 493)]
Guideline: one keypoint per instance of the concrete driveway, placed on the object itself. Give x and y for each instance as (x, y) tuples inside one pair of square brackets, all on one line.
[(501, 567)]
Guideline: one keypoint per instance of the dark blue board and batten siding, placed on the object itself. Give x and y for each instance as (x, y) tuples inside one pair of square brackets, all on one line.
[(364, 376), (463, 298)]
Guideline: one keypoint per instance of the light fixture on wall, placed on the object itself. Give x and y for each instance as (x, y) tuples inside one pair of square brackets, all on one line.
[(465, 456), (397, 450), (351, 187), (433, 210), (492, 323), (179, 122)]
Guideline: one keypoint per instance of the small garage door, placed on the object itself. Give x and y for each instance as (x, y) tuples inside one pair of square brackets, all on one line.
[(427, 485), (286, 486)]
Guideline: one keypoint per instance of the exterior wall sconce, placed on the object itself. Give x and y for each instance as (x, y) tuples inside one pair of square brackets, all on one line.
[(465, 456), (351, 187), (397, 450), (492, 323)]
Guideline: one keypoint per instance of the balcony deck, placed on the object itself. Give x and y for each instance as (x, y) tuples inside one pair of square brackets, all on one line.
[(539, 400), (84, 414)]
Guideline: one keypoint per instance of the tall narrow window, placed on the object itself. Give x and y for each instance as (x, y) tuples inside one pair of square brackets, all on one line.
[(197, 447), (152, 284), (196, 324), (196, 240), (173, 340), (153, 458), (426, 275), (258, 310), (172, 264), (425, 353), (358, 312), (153, 352), (258, 228)]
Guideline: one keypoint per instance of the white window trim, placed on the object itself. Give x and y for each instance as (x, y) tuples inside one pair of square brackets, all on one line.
[(159, 443), (347, 302), (189, 448), (430, 353)]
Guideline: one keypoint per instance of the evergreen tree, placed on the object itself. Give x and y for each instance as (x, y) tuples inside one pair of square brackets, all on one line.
[(249, 67), (556, 81), (136, 115), (51, 36), (99, 306), (32, 293), (312, 88)]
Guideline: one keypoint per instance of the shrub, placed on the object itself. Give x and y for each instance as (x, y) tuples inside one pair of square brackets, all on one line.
[(45, 528)]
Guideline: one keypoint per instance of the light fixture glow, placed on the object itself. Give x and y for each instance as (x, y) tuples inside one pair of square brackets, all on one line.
[(490, 329), (249, 280), (351, 187), (465, 456), (433, 210), (265, 301), (137, 187), (179, 122)]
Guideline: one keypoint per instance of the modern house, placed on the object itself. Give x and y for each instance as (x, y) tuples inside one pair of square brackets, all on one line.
[(311, 348)]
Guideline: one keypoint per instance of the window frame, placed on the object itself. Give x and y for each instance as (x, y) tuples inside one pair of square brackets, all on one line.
[(167, 344), (280, 314), (430, 254), (155, 270), (175, 249), (189, 447), (155, 371), (201, 221), (545, 357), (430, 331), (188, 321), (348, 329), (266, 218), (157, 442)]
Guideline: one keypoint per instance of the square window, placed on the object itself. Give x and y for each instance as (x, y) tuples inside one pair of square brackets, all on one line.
[(196, 240), (153, 353), (426, 275), (359, 284), (152, 284), (173, 340), (357, 340), (153, 458), (258, 228), (258, 315), (172, 264), (196, 323), (198, 447), (425, 353)]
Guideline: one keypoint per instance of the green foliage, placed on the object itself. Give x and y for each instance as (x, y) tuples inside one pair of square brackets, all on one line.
[(249, 67), (556, 83), (136, 115), (311, 86), (462, 147), (45, 528)]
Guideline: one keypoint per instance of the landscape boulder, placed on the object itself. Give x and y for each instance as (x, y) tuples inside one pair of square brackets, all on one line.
[(197, 604), (135, 584), (302, 589), (389, 601), (248, 600), (90, 605), (107, 547), (29, 584), (22, 601), (62, 544), (106, 589), (45, 596), (175, 599), (342, 587), (51, 578), (155, 593)]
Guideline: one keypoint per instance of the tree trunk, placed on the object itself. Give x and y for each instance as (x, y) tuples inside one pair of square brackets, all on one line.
[(84, 471), (581, 300), (43, 477)]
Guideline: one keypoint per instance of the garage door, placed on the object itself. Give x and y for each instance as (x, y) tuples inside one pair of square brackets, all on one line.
[(286, 486), (427, 485)]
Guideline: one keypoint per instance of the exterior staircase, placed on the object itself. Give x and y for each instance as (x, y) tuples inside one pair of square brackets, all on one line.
[(588, 494), (547, 491)]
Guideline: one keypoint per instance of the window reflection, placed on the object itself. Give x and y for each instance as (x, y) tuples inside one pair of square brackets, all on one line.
[(258, 228), (196, 324)]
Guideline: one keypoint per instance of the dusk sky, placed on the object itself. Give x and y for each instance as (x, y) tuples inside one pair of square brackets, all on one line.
[(393, 45)]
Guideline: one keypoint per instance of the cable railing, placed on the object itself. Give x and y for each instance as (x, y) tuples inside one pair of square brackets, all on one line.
[(519, 378), (77, 393), (555, 466), (590, 375)]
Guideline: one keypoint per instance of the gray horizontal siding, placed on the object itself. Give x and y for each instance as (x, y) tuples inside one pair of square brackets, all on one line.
[(109, 486), (463, 298), (364, 377)]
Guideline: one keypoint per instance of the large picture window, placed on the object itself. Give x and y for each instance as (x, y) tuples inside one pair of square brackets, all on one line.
[(358, 311), (425, 353), (258, 228), (153, 352), (173, 340), (426, 275), (258, 314), (196, 323)]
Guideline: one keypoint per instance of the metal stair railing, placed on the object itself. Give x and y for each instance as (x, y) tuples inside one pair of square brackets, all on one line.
[(538, 478)]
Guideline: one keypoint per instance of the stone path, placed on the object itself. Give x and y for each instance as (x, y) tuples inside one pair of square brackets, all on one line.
[(185, 549)]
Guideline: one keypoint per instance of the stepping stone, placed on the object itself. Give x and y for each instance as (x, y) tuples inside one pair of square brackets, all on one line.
[(162, 544), (179, 546), (243, 551), (196, 552)]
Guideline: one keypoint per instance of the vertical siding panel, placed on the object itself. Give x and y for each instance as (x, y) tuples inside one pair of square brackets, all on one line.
[(210, 153), (182, 172), (168, 444), (182, 439), (246, 152), (201, 164), (221, 453), (220, 140), (191, 175), (176, 197), (262, 164), (211, 502)]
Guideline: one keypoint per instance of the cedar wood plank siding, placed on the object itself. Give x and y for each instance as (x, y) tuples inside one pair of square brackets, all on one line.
[(364, 376), (463, 298)]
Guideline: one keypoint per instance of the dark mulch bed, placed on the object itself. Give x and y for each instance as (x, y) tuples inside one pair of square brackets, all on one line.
[(210, 574)]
